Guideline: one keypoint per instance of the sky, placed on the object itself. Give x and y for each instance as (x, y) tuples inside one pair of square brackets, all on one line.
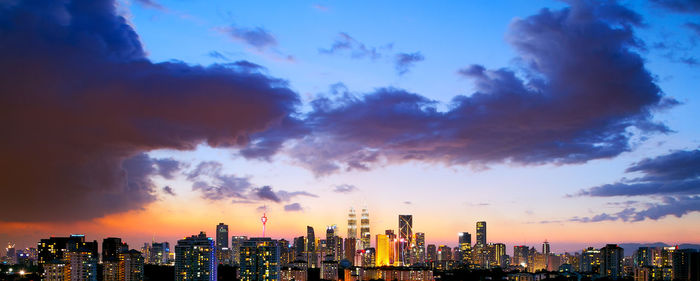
[(573, 122)]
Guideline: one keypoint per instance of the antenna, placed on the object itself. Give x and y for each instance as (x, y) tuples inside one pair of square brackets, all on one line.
[(264, 221)]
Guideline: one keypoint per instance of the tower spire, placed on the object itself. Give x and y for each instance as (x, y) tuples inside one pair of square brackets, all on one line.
[(264, 221)]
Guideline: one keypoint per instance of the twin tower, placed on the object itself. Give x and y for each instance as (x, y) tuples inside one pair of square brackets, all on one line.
[(364, 227)]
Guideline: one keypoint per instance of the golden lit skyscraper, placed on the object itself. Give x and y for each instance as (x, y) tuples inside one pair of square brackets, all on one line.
[(465, 246), (481, 233), (383, 255), (364, 229), (352, 224)]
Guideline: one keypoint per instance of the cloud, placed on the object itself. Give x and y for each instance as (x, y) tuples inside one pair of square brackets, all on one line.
[(257, 37), (320, 7), (559, 107), (680, 6), (168, 190), (81, 103), (675, 177), (407, 202), (218, 55), (344, 188), (405, 61), (294, 207), (358, 50), (152, 4), (266, 193), (213, 184)]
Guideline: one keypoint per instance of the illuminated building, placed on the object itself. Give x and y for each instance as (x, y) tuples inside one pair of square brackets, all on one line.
[(329, 270), (432, 253), (611, 261), (236, 243), (131, 265), (405, 238), (221, 236), (110, 270), (334, 245), (444, 253), (195, 258), (419, 249), (158, 253), (364, 229), (546, 252), (384, 250), (52, 249), (111, 247), (54, 271), (10, 253), (397, 273), (481, 233), (310, 254), (465, 246), (286, 252), (352, 224), (260, 260), (81, 265), (299, 247), (349, 249), (520, 255), (590, 260), (369, 257), (498, 251), (643, 257)]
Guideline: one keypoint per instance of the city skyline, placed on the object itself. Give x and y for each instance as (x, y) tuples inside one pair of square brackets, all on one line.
[(572, 122)]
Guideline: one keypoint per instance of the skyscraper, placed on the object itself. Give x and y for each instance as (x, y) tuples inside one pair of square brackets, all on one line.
[(481, 233), (405, 237), (352, 224), (465, 246), (195, 258), (611, 261), (520, 255), (310, 247), (499, 255), (331, 243), (419, 250), (364, 229), (260, 260), (236, 243), (112, 247), (546, 253), (221, 236), (383, 254), (131, 265)]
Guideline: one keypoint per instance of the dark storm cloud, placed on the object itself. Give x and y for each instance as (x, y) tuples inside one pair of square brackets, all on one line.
[(80, 103), (257, 37), (344, 188), (357, 50), (167, 167), (294, 207), (674, 177), (580, 90), (681, 6), (405, 61)]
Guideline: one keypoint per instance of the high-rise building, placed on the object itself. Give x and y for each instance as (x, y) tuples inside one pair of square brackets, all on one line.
[(520, 255), (131, 265), (432, 253), (352, 224), (221, 236), (419, 249), (481, 233), (405, 238), (310, 254), (236, 244), (546, 253), (383, 254), (331, 243), (52, 249), (81, 265), (499, 255), (643, 257), (590, 260), (364, 229), (444, 253), (158, 253), (195, 258), (465, 246), (611, 261), (260, 260), (112, 247), (349, 249)]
